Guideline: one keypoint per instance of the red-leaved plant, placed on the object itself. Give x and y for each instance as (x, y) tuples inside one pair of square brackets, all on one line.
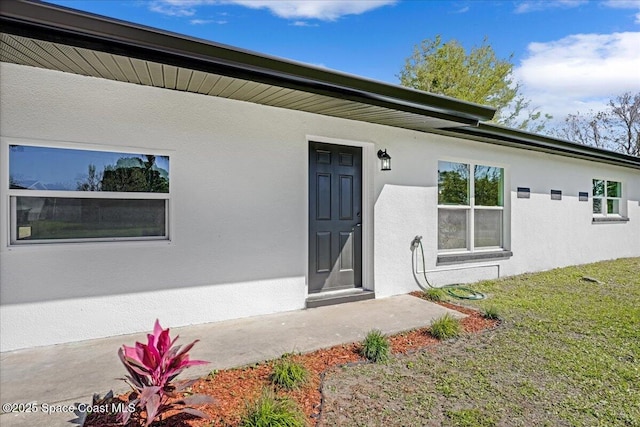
[(152, 367)]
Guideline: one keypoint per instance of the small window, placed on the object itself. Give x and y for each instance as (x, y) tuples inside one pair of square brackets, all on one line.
[(470, 211), (69, 195), (607, 196)]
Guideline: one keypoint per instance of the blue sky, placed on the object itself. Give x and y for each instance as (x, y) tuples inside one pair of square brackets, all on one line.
[(569, 55)]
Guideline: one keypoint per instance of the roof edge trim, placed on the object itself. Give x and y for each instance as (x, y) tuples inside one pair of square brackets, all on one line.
[(529, 141), (64, 25)]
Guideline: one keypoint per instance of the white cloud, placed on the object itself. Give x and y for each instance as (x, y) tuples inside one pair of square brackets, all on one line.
[(167, 8), (185, 3), (206, 21), (303, 24), (625, 4), (580, 72), (538, 5), (324, 10), (526, 6)]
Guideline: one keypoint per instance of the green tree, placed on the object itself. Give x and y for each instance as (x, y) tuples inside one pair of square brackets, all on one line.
[(453, 186), (124, 178), (156, 183), (478, 76), (93, 181), (132, 174), (616, 128), (488, 186)]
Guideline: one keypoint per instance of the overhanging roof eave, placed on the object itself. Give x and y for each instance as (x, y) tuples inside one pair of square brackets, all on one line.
[(67, 26), (500, 135)]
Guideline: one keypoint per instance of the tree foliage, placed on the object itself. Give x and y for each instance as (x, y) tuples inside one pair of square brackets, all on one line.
[(453, 188), (447, 69), (488, 186), (478, 76), (616, 128), (93, 181), (129, 174)]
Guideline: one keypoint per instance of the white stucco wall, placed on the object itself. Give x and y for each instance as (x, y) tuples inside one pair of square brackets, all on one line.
[(542, 233), (239, 209)]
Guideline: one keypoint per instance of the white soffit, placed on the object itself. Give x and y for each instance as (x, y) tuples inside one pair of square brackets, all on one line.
[(87, 62)]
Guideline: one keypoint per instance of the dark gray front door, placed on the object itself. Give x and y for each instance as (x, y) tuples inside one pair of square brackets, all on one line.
[(335, 212)]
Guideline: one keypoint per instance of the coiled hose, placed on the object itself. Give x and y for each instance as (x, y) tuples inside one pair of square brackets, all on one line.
[(455, 290)]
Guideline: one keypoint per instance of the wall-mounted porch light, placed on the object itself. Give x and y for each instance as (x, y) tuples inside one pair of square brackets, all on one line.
[(385, 160)]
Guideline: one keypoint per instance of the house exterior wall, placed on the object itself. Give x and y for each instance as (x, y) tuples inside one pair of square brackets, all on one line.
[(542, 233), (238, 209)]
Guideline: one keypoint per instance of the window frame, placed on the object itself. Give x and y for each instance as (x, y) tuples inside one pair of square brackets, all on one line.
[(604, 210), (471, 209), (13, 194)]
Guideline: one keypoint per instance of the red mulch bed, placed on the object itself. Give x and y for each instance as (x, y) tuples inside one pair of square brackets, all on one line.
[(232, 388)]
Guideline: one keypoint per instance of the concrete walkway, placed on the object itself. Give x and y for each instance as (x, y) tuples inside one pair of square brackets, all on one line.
[(69, 374)]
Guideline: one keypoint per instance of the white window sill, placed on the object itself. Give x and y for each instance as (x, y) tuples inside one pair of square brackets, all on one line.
[(447, 259), (86, 245), (608, 219)]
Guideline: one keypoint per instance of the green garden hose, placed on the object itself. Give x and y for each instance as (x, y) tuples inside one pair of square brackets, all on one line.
[(457, 291)]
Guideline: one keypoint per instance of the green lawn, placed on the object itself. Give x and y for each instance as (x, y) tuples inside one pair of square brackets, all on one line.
[(566, 354)]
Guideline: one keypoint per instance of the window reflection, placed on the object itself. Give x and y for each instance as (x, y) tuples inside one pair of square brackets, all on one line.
[(488, 186), (46, 168), (453, 183)]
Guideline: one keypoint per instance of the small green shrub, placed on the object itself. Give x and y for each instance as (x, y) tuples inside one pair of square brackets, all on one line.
[(289, 374), (376, 347), (434, 294), (446, 327), (270, 411), (491, 312)]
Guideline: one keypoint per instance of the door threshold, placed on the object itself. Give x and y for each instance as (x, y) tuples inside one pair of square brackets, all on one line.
[(339, 297)]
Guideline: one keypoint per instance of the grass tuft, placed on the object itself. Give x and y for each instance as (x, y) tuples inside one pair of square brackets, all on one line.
[(376, 347), (446, 327), (289, 374), (271, 411), (491, 313), (434, 294)]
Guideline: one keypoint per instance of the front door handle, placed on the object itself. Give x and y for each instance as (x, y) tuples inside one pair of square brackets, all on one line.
[(358, 225)]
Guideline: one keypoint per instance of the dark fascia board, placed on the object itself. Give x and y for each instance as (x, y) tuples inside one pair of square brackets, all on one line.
[(530, 141), (72, 27)]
